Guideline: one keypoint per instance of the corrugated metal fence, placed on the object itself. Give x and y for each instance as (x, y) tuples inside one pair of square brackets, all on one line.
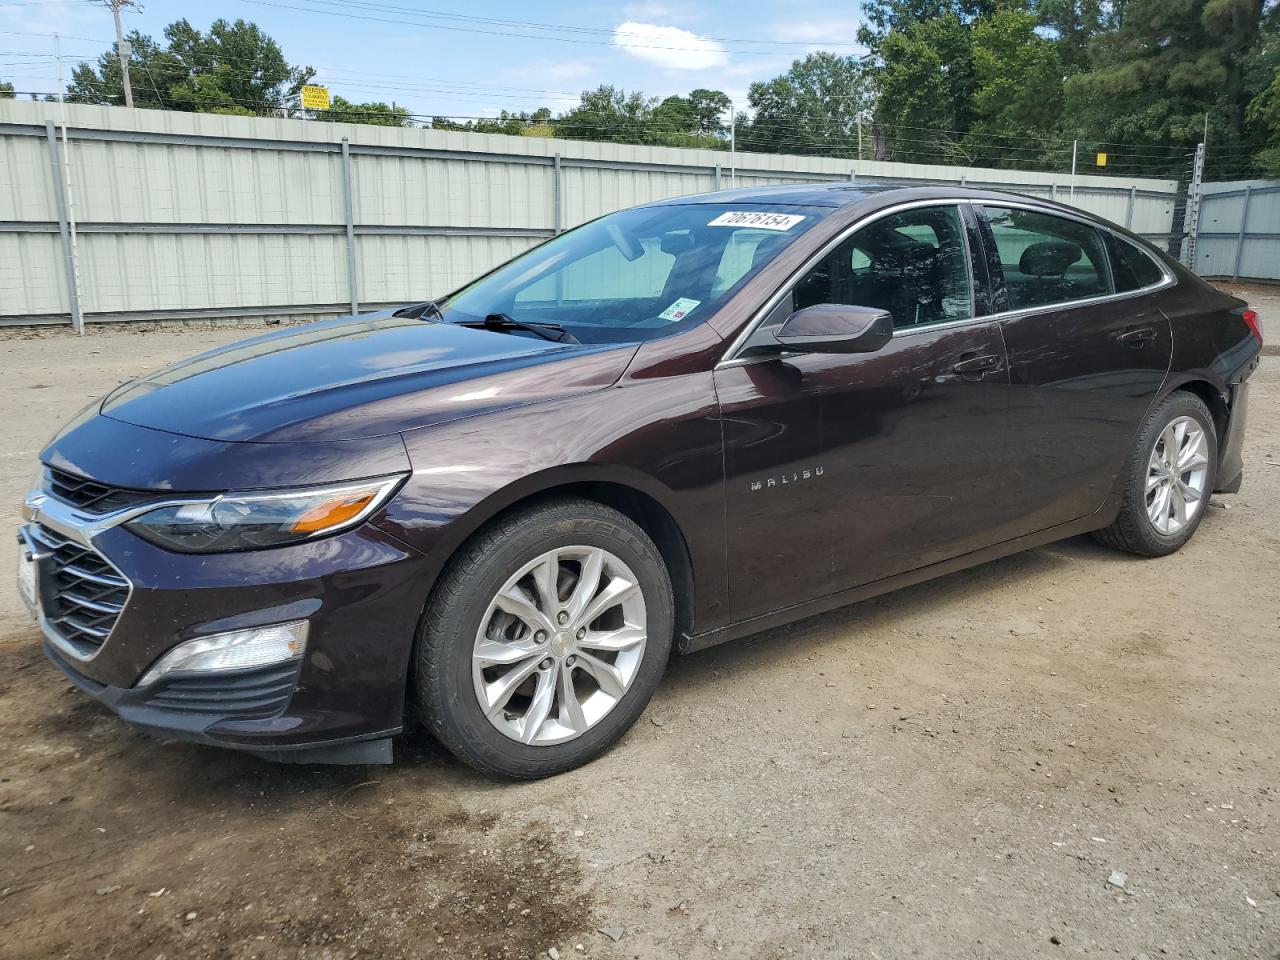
[(1239, 234), (154, 215)]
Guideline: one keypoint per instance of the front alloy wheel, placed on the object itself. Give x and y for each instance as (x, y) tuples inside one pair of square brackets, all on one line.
[(559, 645), (544, 638)]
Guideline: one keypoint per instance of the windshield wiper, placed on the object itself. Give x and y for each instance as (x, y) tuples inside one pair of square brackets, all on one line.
[(503, 321), (418, 310)]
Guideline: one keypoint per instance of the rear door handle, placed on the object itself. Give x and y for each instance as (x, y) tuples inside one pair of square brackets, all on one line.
[(973, 367), (1138, 336)]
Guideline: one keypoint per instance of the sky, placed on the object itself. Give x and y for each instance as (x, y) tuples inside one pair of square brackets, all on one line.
[(438, 57)]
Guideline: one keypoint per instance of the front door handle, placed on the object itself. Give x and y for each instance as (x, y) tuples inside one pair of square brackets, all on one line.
[(973, 367), (1138, 336)]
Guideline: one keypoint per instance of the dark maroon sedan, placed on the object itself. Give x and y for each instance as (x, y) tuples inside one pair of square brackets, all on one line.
[(670, 427)]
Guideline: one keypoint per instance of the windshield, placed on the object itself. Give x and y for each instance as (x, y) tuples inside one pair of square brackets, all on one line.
[(634, 275)]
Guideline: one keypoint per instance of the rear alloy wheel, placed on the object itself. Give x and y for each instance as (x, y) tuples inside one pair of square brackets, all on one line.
[(545, 639), (1176, 476), (1170, 479)]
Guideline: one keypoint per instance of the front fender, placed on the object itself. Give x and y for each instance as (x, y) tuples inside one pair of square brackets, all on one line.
[(660, 437)]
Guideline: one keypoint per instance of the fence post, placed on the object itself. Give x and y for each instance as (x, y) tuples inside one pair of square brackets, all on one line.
[(1128, 214), (717, 174), (64, 230), (1053, 191), (557, 224), (348, 208), (1244, 220)]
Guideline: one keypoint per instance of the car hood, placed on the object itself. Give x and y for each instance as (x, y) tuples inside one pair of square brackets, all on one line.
[(359, 377)]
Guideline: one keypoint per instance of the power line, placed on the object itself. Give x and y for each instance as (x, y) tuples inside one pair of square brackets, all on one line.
[(495, 33), (562, 28)]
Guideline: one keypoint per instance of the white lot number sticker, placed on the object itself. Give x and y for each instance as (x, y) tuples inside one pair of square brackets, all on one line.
[(761, 221), (678, 310)]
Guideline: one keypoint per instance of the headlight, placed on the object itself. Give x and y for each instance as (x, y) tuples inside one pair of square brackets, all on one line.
[(249, 521)]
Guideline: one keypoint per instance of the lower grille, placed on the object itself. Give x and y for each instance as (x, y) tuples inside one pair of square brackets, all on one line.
[(85, 593), (249, 695)]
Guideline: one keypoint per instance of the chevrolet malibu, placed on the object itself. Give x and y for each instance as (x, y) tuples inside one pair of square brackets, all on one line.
[(501, 512)]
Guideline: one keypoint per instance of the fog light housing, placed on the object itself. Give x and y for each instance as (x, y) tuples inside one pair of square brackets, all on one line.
[(236, 650)]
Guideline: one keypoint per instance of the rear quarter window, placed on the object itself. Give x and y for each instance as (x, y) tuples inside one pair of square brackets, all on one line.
[(1132, 268)]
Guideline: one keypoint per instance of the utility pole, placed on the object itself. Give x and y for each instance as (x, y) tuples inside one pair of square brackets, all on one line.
[(1074, 146), (124, 50), (733, 147)]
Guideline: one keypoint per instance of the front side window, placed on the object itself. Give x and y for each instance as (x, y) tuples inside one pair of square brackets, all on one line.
[(914, 264), (1131, 268), (638, 274), (1047, 259)]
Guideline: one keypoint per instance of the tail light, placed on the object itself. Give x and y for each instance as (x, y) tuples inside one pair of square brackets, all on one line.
[(1253, 322)]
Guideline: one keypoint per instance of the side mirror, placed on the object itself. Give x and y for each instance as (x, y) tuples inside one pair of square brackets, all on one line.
[(836, 328)]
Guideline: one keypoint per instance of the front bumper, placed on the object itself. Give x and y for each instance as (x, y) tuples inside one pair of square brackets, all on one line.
[(360, 592)]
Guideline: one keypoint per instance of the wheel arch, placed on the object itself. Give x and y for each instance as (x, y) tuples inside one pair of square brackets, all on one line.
[(1212, 397), (632, 494)]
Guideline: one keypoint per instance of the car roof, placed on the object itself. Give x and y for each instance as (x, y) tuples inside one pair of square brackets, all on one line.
[(843, 193)]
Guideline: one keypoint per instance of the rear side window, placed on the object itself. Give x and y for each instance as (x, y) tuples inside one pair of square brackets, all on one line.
[(1131, 268), (1047, 259)]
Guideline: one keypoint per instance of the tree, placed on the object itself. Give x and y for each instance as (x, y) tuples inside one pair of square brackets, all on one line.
[(886, 16), (612, 114), (523, 124), (1167, 68), (379, 114), (1075, 23), (1264, 114), (6, 91), (1018, 77), (234, 68), (608, 113), (709, 108), (926, 86), (812, 108)]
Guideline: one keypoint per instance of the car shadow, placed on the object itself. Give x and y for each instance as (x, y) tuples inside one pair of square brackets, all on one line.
[(805, 636)]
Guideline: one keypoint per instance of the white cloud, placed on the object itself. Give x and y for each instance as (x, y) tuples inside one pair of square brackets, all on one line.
[(669, 47)]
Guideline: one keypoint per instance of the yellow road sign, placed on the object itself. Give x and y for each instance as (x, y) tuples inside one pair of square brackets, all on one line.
[(1102, 159), (315, 97)]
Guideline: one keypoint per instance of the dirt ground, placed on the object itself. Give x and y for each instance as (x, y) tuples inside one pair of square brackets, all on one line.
[(953, 771)]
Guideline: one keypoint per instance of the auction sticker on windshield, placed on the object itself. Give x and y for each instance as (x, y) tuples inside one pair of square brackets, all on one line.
[(757, 219), (678, 310)]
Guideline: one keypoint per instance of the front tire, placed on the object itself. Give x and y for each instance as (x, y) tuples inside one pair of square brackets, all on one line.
[(1171, 476), (544, 640)]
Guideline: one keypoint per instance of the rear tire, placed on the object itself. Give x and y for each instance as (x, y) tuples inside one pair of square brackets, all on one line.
[(544, 639), (1176, 456)]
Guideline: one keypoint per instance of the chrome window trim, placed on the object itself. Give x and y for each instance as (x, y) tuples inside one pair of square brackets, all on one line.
[(731, 357)]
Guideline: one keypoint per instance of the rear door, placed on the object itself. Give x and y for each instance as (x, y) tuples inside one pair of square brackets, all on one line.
[(846, 468), (1085, 360)]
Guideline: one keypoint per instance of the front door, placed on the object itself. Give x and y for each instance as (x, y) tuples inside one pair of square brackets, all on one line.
[(842, 469), (1082, 375)]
